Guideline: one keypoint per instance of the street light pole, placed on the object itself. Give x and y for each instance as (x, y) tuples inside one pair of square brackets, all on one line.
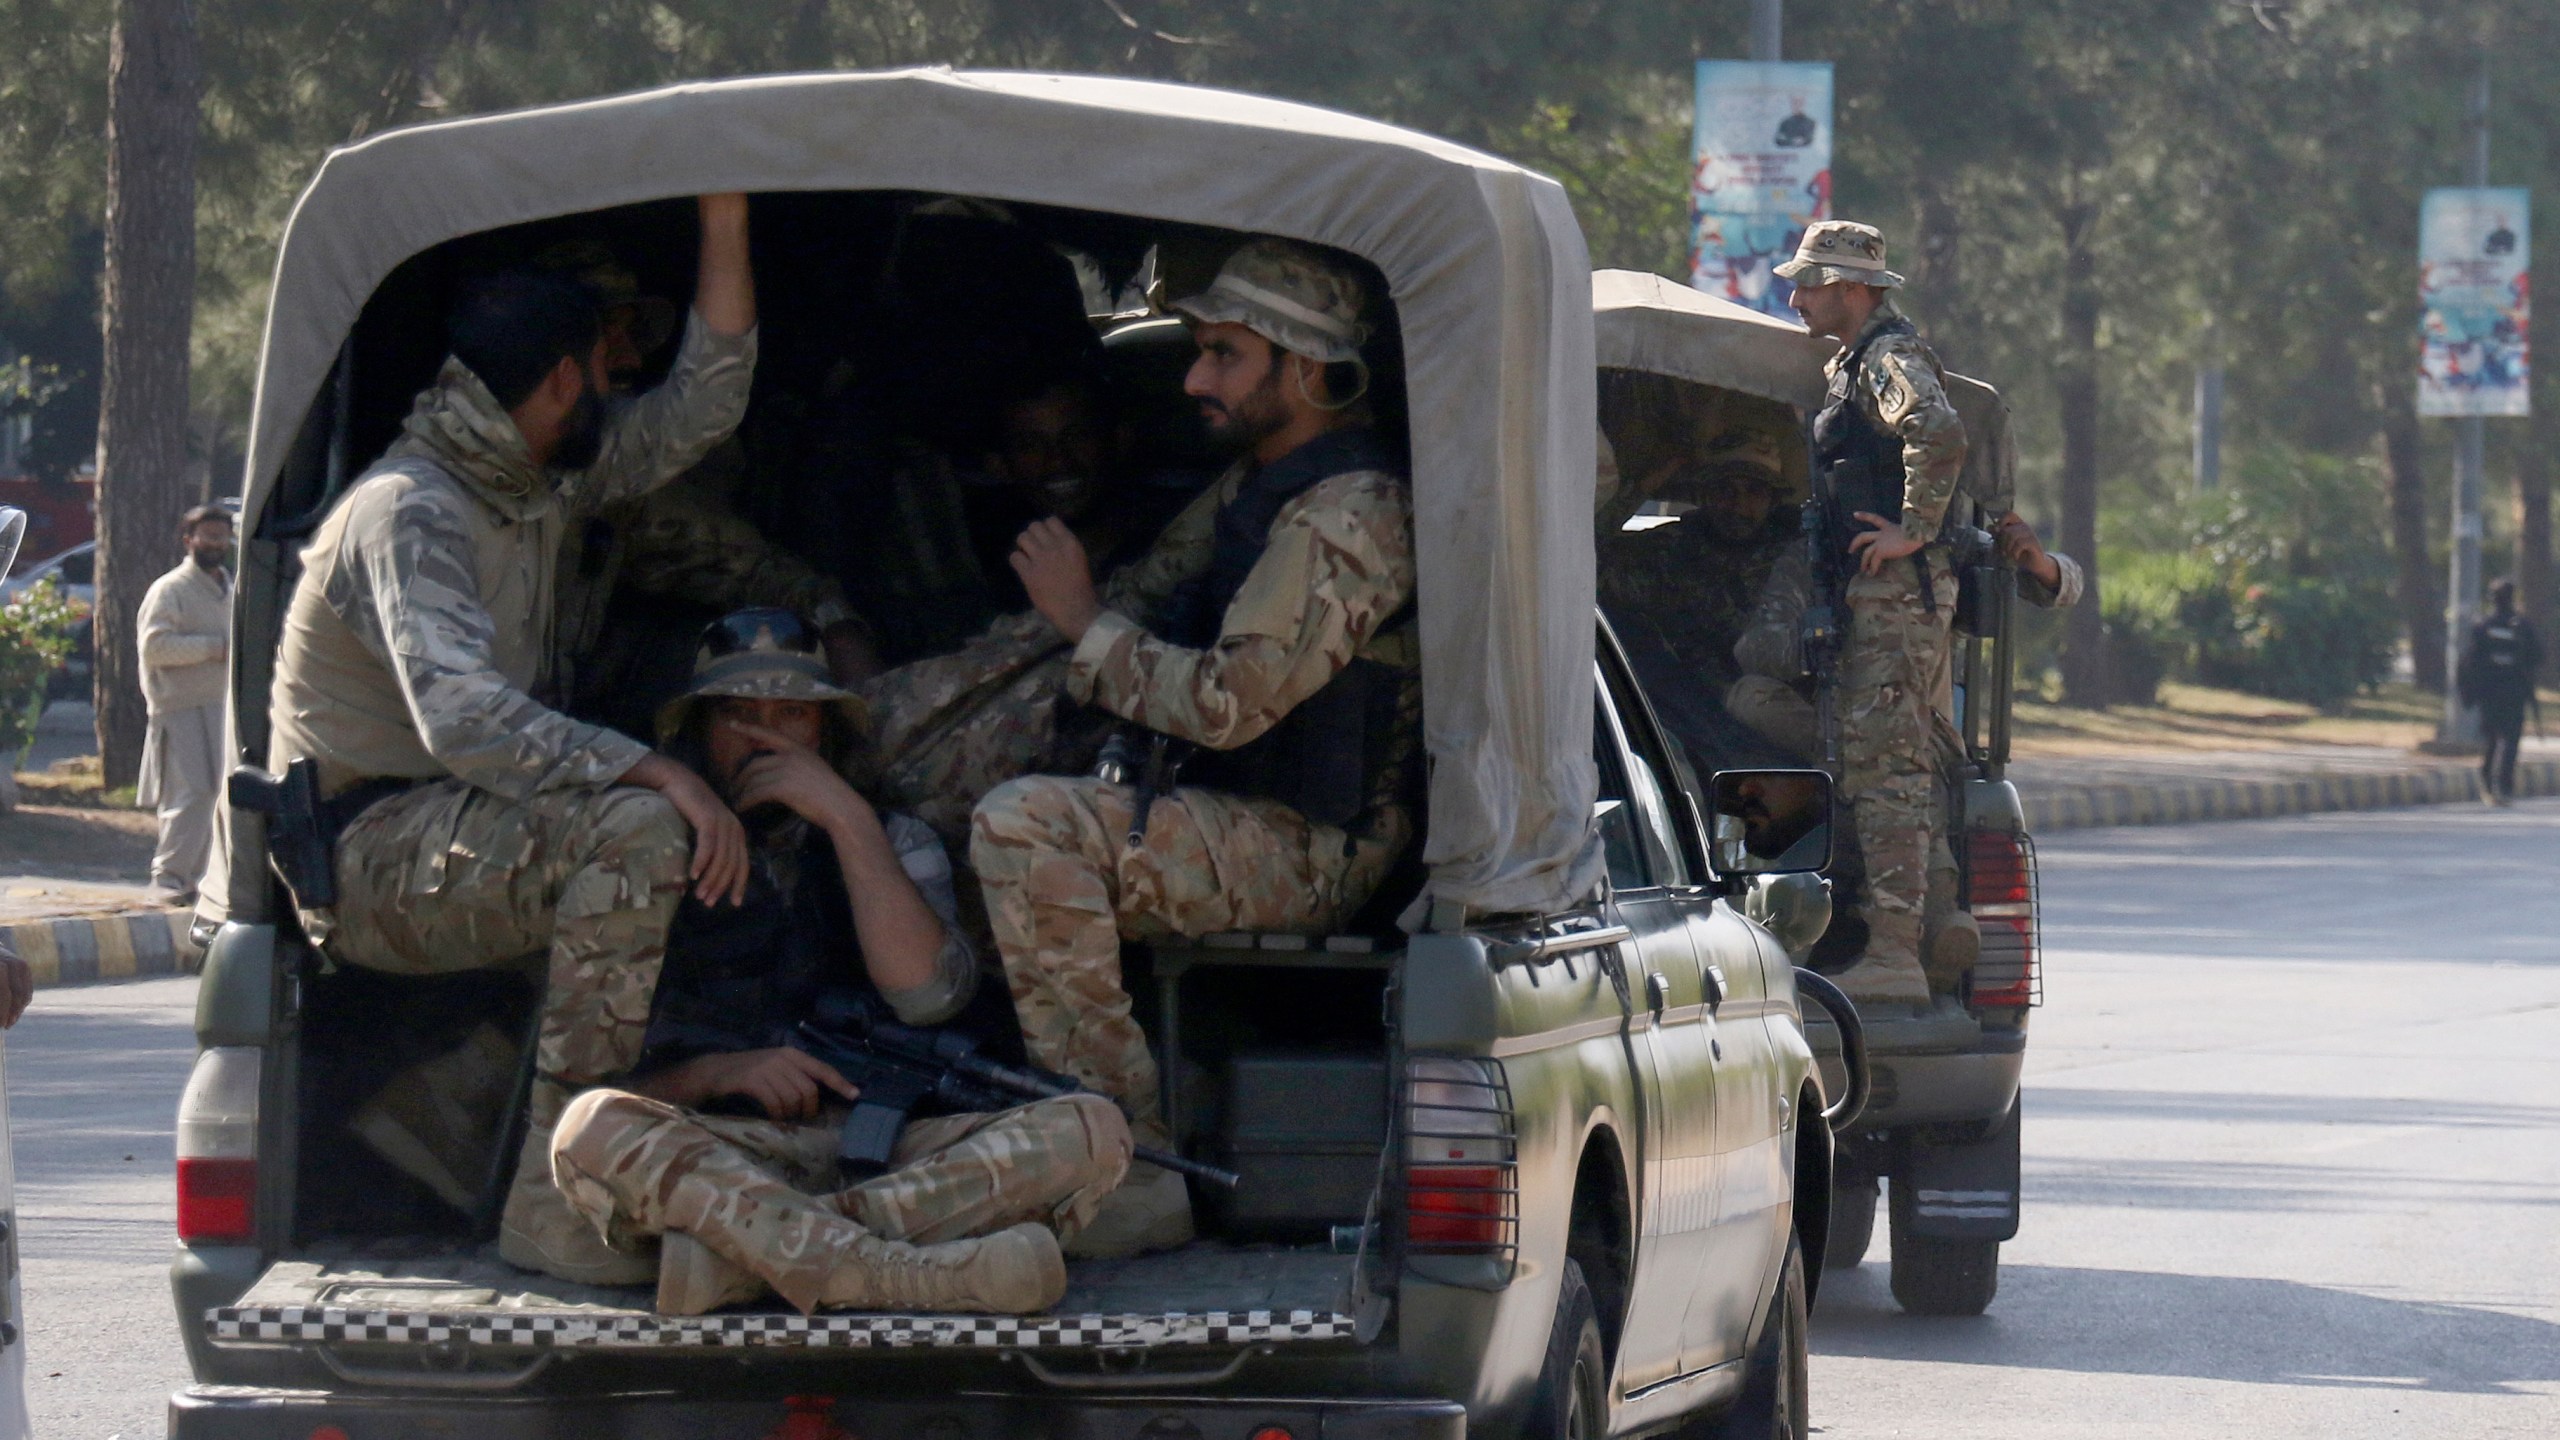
[(1768, 26), (2462, 590)]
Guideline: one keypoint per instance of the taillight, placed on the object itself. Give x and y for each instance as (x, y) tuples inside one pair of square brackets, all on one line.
[(2001, 892), (1462, 1192), (218, 1148)]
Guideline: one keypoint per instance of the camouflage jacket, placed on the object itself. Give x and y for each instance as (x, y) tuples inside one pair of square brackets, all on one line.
[(680, 540), (421, 628), (1899, 389), (1337, 567)]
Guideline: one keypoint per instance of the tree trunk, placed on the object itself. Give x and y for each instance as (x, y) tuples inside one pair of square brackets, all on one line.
[(2533, 538), (2421, 581), (2085, 678), (153, 89), (1940, 271)]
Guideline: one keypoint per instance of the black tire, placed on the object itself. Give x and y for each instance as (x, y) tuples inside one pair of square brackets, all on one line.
[(1853, 1225), (1772, 1405), (1944, 1277), (1572, 1400)]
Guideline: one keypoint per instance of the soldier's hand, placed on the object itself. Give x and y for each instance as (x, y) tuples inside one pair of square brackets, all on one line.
[(1054, 570), (719, 841), (796, 777), (1877, 546), (2020, 547), (786, 1084)]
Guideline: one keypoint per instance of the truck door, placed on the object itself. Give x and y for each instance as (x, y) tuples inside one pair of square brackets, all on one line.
[(1650, 878), (1755, 1185)]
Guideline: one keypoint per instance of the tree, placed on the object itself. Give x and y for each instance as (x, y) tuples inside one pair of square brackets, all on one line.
[(153, 90)]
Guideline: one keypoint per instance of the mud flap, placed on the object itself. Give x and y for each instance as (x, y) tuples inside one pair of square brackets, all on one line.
[(1965, 1191)]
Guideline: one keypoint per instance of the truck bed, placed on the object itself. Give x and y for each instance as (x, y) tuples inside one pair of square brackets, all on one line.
[(1206, 1294)]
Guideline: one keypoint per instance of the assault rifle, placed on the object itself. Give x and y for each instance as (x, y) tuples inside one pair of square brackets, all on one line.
[(898, 1067)]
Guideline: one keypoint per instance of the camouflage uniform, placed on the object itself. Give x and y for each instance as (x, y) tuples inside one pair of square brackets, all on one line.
[(413, 646), (767, 1195), (1331, 585)]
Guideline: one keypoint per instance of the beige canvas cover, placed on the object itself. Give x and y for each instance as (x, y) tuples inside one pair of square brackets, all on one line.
[(1485, 262), (1662, 327)]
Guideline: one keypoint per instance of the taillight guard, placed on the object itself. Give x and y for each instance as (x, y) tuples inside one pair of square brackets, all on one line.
[(2001, 892), (1461, 1145)]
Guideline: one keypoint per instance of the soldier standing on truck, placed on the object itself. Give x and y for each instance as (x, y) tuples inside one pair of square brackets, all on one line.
[(1891, 449), (1279, 650), (846, 904), (478, 826)]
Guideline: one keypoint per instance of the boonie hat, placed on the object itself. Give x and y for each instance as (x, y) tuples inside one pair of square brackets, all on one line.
[(758, 654), (1290, 295), (1837, 252), (615, 286)]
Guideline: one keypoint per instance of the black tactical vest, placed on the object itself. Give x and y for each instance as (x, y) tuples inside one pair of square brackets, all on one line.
[(1859, 459), (740, 977), (1344, 751)]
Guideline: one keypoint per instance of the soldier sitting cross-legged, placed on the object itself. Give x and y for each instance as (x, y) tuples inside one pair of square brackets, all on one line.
[(843, 904)]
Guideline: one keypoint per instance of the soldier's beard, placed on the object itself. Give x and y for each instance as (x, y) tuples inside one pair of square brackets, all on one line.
[(1259, 414), (581, 433)]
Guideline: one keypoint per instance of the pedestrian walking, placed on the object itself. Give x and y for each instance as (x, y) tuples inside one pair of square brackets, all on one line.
[(185, 626), (2496, 675)]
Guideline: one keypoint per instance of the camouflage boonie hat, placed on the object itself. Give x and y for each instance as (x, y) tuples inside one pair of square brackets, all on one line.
[(1837, 252), (1290, 295), (758, 654), (615, 286)]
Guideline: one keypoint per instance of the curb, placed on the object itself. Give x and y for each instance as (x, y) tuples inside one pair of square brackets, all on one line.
[(2106, 805), (88, 949)]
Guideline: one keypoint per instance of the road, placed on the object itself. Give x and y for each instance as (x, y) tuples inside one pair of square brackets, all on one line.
[(2292, 1164), (2292, 1150)]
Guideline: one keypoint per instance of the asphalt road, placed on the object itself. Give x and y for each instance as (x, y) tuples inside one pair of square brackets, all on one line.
[(2292, 1150), (2292, 1159)]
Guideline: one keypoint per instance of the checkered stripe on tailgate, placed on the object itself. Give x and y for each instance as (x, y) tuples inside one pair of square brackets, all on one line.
[(540, 1329)]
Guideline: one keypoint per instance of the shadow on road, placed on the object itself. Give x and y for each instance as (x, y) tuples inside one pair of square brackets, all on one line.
[(2205, 1327)]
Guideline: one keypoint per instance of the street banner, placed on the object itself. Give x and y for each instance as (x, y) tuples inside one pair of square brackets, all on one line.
[(1760, 173), (2475, 298)]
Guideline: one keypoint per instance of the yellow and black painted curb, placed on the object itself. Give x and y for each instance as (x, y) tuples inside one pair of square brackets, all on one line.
[(87, 949), (2086, 807)]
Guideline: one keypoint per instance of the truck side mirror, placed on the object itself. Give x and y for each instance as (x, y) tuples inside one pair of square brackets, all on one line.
[(1770, 822)]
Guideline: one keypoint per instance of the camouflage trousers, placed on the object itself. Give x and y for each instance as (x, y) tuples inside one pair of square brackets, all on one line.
[(1890, 670), (944, 731), (1064, 887), (766, 1194), (577, 886)]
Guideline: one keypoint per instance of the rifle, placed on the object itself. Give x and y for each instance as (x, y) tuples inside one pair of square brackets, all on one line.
[(898, 1067), (1820, 633)]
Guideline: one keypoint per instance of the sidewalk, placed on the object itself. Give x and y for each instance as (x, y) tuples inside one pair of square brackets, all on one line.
[(2173, 787), (74, 902)]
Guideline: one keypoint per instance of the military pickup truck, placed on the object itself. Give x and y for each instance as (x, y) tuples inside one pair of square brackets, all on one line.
[(1550, 1159), (1941, 1127)]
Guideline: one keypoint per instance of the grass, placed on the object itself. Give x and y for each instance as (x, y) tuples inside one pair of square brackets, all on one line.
[(2197, 717), (73, 783)]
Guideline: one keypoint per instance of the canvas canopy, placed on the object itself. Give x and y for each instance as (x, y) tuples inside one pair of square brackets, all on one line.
[(1484, 260), (1661, 327)]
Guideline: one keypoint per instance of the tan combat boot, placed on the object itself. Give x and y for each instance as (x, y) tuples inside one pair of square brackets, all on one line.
[(1012, 1272), (1954, 948), (1888, 975), (540, 1232), (694, 1279), (1150, 1211), (439, 1120)]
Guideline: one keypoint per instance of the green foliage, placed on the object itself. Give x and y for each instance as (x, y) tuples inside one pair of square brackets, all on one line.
[(35, 638), (2280, 586)]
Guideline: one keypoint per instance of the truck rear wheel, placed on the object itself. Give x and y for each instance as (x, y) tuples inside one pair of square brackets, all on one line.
[(1944, 1277), (1572, 1400), (1853, 1224)]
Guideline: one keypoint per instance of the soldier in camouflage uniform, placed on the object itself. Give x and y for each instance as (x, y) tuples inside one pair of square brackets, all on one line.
[(1268, 634), (848, 907), (680, 540), (480, 826), (1892, 448)]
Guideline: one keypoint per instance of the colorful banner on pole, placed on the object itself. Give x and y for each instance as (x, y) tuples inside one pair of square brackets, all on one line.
[(2475, 298), (1760, 173)]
